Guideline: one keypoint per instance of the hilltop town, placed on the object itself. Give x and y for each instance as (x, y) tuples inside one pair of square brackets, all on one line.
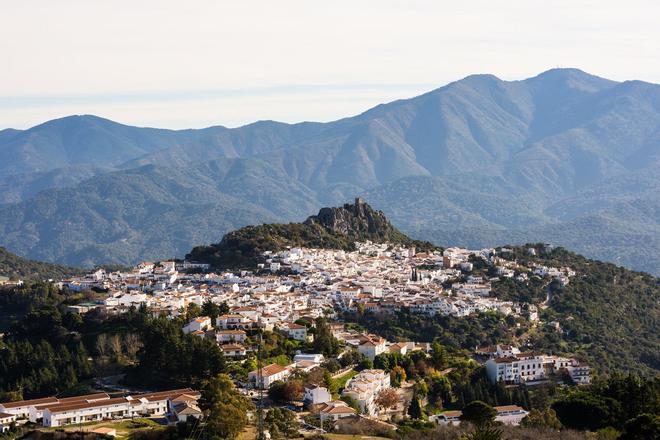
[(299, 286), (323, 338)]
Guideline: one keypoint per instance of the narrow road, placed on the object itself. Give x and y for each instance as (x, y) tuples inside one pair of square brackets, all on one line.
[(548, 297)]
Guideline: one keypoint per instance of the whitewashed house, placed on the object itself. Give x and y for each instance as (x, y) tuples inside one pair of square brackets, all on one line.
[(294, 331), (230, 336), (269, 374), (371, 346), (201, 324), (364, 388), (316, 394)]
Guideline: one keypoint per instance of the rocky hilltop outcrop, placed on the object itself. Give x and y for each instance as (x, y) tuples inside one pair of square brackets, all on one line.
[(331, 228), (356, 219)]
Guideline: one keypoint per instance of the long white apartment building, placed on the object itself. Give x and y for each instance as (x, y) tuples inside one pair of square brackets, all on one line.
[(32, 409), (54, 412)]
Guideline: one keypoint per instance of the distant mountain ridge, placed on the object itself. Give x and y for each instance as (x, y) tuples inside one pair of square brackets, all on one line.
[(565, 157), (332, 228)]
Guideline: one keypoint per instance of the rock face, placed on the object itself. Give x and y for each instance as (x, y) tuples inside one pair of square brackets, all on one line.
[(331, 228), (356, 219)]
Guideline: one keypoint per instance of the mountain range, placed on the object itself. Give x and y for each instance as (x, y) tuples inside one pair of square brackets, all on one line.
[(564, 157)]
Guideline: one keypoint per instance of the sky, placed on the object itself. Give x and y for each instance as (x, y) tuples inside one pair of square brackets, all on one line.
[(196, 63)]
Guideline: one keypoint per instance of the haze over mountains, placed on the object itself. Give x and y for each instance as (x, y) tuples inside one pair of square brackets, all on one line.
[(564, 157)]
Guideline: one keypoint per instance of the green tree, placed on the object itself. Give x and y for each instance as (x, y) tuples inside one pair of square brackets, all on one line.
[(276, 391), (422, 388), (210, 309), (224, 421), (583, 410), (324, 341), (644, 426), (415, 409), (440, 390), (330, 383), (364, 364), (478, 413), (282, 423), (439, 357), (223, 308), (193, 311), (383, 362), (541, 419), (397, 376), (350, 357), (332, 365), (225, 409)]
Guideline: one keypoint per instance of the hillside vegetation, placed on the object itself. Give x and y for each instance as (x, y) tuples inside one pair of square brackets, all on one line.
[(15, 268), (609, 315), (332, 228)]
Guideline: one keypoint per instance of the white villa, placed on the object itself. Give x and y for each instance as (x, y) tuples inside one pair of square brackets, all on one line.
[(530, 367), (364, 388), (201, 324), (230, 336), (269, 374), (316, 394)]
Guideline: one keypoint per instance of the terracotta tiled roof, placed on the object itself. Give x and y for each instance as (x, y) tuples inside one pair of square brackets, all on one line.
[(21, 403), (508, 408), (270, 370), (63, 407)]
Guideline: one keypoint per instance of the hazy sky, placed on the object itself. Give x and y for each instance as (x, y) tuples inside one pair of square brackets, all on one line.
[(196, 63)]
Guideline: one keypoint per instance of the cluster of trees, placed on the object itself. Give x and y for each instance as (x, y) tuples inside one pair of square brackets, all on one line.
[(446, 381), (416, 364), (17, 301), (622, 406), (169, 357), (476, 386), (225, 409), (452, 332), (114, 351), (42, 353), (627, 403), (324, 342), (532, 291), (16, 267), (281, 423), (48, 350)]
